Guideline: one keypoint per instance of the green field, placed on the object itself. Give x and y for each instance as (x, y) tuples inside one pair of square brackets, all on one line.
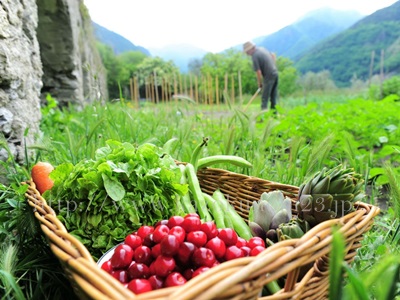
[(308, 133)]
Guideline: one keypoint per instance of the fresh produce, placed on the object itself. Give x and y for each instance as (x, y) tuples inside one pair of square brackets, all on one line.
[(238, 223), (100, 201), (196, 192), (329, 194), (272, 210), (174, 251), (223, 159), (40, 176)]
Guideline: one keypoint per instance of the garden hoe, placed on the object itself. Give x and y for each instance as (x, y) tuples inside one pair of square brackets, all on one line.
[(252, 98)]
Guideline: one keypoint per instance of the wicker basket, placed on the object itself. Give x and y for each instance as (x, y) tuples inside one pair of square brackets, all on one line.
[(241, 278)]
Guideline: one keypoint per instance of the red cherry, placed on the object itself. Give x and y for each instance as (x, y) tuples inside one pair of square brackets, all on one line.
[(161, 222), (191, 223), (179, 232), (246, 250), (233, 252), (185, 252), (256, 250), (175, 221), (174, 279), (133, 240), (143, 255), (148, 240), (200, 270), (255, 241), (160, 232), (121, 275), (210, 229), (122, 256), (139, 286), (163, 265), (169, 245), (188, 273), (143, 231), (106, 266), (192, 215), (217, 246), (228, 235), (241, 242), (156, 282), (138, 270), (156, 251), (203, 257), (198, 238)]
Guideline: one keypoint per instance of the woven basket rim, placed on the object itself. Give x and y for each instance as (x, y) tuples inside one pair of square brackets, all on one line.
[(286, 257)]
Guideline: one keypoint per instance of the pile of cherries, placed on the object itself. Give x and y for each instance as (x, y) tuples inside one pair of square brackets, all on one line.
[(175, 250)]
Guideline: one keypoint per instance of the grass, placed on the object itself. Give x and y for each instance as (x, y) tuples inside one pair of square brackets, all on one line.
[(305, 136)]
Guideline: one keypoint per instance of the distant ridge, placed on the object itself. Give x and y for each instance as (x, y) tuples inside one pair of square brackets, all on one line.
[(117, 42), (293, 40), (348, 53)]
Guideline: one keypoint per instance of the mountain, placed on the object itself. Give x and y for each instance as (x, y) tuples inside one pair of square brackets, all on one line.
[(180, 54), (349, 53), (312, 28), (117, 42)]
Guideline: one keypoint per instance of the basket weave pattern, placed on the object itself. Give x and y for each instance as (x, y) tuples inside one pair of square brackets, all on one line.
[(304, 262)]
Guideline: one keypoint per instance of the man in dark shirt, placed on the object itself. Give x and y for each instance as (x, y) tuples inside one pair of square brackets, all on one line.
[(267, 73)]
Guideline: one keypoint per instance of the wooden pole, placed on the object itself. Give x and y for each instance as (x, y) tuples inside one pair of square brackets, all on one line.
[(180, 85), (131, 87), (136, 86), (233, 88), (191, 86), (382, 75), (205, 91), (210, 89), (240, 88), (156, 87), (185, 85), (196, 89), (371, 67), (217, 91), (153, 98)]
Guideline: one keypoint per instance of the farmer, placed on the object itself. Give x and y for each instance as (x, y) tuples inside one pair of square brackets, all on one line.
[(264, 64)]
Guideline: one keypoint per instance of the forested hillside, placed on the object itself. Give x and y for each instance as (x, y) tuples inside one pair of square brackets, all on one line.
[(117, 42), (349, 53), (295, 39)]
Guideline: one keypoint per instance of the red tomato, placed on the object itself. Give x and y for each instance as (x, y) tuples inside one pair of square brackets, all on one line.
[(40, 176)]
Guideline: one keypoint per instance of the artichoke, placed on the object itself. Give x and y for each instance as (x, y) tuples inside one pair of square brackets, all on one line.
[(292, 230), (329, 194), (268, 213)]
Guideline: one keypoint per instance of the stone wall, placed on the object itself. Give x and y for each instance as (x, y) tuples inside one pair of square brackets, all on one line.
[(73, 72), (20, 76), (46, 46)]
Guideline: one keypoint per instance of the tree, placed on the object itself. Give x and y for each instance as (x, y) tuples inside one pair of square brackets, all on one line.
[(288, 76)]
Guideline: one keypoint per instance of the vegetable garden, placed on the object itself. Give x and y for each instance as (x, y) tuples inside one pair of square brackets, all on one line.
[(290, 148)]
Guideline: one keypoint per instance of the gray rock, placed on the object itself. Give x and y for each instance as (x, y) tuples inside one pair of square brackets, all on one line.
[(46, 47)]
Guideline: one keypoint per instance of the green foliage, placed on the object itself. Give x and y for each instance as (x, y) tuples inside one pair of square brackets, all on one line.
[(230, 63), (120, 68), (287, 77), (157, 68)]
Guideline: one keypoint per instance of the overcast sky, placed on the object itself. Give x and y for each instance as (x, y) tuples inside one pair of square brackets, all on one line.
[(213, 25)]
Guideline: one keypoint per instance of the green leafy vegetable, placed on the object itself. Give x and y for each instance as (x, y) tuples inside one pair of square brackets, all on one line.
[(100, 201)]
